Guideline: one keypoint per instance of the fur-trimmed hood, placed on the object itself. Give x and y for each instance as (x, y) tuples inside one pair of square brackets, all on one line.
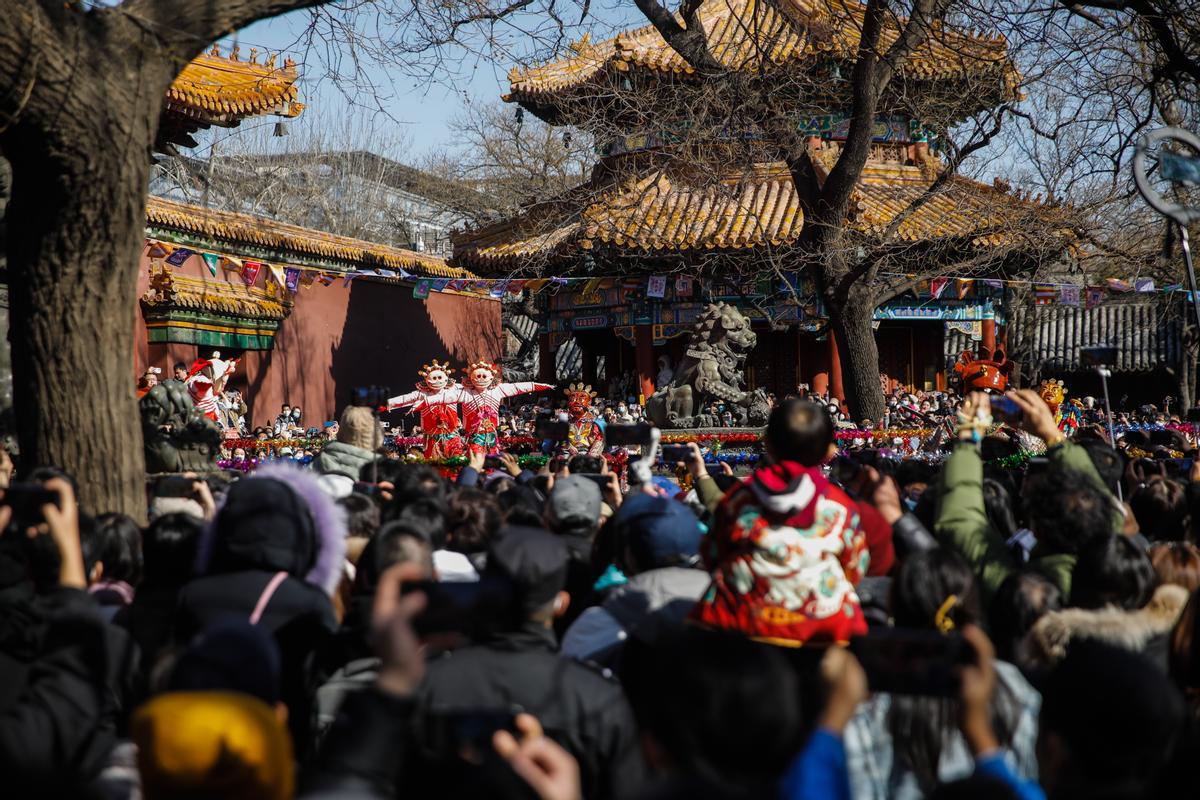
[(1130, 630), (270, 536)]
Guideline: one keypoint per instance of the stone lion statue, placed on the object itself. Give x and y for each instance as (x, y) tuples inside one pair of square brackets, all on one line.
[(711, 370), (177, 436)]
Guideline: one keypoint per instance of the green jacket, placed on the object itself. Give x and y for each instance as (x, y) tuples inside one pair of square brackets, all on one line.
[(962, 523)]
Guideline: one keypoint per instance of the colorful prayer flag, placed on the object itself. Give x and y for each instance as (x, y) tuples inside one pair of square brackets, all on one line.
[(159, 249), (992, 283), (179, 256), (231, 264), (421, 289), (275, 278), (656, 286), (291, 279), (1139, 284), (350, 276), (498, 289), (964, 286), (308, 278), (683, 286), (250, 270), (1068, 294), (1118, 285), (1044, 293), (1093, 296), (937, 286), (211, 260), (325, 279), (440, 284), (456, 285)]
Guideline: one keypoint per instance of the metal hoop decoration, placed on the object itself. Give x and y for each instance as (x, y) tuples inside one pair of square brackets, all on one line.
[(1180, 214)]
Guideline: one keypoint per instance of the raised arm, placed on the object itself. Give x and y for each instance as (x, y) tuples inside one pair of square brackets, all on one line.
[(404, 400), (514, 389)]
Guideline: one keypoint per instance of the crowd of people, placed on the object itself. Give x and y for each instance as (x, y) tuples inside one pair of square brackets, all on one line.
[(824, 627)]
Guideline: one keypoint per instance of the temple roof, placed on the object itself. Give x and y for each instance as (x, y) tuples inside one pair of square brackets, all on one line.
[(782, 32), (669, 210), (219, 90), (268, 239), (234, 298)]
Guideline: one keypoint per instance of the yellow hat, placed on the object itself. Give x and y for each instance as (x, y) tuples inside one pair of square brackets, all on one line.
[(212, 744)]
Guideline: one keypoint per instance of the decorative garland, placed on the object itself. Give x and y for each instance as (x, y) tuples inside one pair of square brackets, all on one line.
[(274, 444)]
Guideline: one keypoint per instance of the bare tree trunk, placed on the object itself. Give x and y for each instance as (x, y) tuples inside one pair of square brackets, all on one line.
[(80, 97), (851, 322)]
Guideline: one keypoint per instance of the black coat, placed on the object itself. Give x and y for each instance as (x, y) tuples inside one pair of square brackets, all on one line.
[(56, 727), (233, 595), (577, 706)]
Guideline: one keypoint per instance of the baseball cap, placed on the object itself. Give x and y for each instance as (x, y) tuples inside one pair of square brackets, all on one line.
[(659, 530), (533, 560), (575, 498)]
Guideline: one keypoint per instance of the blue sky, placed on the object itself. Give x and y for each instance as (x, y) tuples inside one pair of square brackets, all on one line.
[(417, 101)]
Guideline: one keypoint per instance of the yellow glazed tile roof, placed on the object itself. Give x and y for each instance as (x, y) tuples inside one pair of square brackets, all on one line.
[(744, 34), (168, 288), (280, 237), (662, 212), (221, 91)]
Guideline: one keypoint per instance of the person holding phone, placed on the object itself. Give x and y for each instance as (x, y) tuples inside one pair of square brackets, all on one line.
[(519, 666), (1067, 505)]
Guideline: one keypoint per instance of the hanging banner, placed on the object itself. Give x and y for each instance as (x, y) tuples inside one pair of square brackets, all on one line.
[(1093, 296), (1044, 293), (159, 250), (250, 270), (275, 279), (291, 279), (421, 289), (656, 286), (211, 260), (180, 255), (1068, 295)]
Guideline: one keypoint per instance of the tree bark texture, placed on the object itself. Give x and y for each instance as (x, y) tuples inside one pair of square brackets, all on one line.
[(80, 98), (850, 320)]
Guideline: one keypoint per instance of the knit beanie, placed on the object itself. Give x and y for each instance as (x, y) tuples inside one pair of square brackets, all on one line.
[(212, 744), (359, 428)]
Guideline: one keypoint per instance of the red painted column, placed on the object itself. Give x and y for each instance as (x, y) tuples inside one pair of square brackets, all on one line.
[(546, 361), (835, 370), (644, 335), (988, 345)]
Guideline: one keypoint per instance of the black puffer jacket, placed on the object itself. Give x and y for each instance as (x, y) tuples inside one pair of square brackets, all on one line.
[(577, 706)]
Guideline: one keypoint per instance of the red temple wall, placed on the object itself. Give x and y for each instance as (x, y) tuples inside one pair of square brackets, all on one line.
[(337, 338)]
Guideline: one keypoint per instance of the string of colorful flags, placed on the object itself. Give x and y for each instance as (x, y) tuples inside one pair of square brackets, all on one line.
[(281, 277)]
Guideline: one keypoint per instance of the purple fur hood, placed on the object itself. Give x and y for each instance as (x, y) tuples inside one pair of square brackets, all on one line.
[(329, 524)]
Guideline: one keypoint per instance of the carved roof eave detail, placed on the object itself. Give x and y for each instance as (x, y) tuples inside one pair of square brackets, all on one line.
[(793, 33), (657, 217), (247, 236)]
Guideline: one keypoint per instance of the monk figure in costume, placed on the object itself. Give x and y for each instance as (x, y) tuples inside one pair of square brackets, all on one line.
[(584, 436), (436, 400), (481, 399), (206, 381)]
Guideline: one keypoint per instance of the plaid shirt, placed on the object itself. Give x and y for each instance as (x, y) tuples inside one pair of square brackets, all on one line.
[(876, 773)]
